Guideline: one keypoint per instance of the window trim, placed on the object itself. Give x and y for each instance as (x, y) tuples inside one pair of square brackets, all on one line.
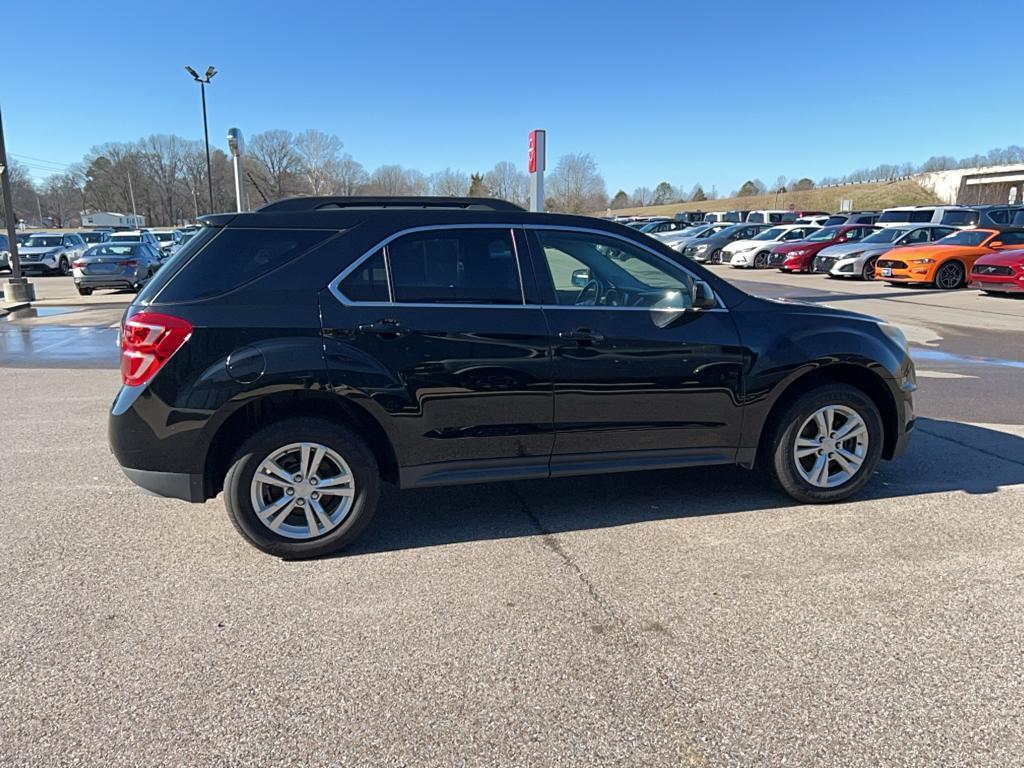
[(335, 285)]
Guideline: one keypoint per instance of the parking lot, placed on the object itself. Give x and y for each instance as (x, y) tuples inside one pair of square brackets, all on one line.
[(660, 618)]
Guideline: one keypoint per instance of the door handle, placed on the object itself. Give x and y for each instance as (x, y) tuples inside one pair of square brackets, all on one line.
[(384, 327), (581, 335)]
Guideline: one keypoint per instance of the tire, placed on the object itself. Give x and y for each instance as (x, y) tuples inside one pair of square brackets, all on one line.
[(715, 257), (797, 421), (63, 266), (761, 260), (867, 272), (84, 291), (295, 539), (950, 276)]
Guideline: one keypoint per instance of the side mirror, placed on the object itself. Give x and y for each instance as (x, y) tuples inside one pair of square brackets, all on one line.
[(580, 277), (702, 296), (996, 244)]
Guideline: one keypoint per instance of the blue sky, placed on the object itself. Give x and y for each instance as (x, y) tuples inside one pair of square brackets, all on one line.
[(675, 91)]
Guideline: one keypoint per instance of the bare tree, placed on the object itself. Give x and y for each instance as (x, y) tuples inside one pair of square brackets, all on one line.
[(319, 156), (396, 180), (449, 183), (277, 160), (642, 196), (576, 186), (352, 177), (507, 182)]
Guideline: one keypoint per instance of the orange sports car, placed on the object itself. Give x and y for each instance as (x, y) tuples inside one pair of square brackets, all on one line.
[(946, 263)]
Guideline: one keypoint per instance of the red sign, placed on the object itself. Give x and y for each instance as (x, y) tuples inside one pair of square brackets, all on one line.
[(536, 151)]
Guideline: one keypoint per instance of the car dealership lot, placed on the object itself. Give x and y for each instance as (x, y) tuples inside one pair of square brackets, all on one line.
[(676, 617)]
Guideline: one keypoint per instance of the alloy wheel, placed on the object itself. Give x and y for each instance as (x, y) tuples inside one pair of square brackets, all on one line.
[(302, 491), (869, 269), (949, 276), (761, 260), (831, 446)]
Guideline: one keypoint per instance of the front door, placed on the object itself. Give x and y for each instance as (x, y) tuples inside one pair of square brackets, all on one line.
[(624, 385), (433, 330)]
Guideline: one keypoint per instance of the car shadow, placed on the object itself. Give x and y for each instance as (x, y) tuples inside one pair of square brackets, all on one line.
[(944, 456)]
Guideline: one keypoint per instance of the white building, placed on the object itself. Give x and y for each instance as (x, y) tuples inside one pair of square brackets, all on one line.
[(110, 219)]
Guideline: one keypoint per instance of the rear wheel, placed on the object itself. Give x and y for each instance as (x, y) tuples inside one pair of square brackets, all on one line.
[(825, 445), (302, 488), (950, 276), (82, 291)]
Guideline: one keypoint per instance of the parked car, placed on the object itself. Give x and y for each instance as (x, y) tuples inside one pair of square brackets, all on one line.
[(799, 256), (817, 221), (169, 240), (999, 273), (115, 265), (682, 238), (21, 237), (664, 225), (852, 217), (50, 252), (755, 251), (733, 217), (692, 217), (136, 236), (999, 215), (448, 341), (805, 217), (857, 259), (952, 215), (766, 217), (709, 249), (946, 263), (95, 236)]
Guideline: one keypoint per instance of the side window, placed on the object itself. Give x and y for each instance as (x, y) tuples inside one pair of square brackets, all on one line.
[(455, 266), (368, 282), (1011, 238), (921, 216), (937, 233), (855, 234), (1000, 215), (588, 269), (960, 218), (922, 235)]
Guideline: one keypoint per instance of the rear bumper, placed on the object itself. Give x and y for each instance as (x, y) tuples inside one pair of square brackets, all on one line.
[(112, 281), (170, 485)]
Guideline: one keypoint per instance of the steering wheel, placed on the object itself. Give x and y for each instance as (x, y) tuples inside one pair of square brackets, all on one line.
[(590, 294)]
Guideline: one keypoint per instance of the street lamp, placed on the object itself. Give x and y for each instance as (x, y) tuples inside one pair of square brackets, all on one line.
[(237, 146), (203, 82)]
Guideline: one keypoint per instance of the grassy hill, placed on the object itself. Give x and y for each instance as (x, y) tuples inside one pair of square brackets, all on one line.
[(864, 197)]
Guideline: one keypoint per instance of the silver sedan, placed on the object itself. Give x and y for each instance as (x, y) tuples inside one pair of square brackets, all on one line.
[(115, 265)]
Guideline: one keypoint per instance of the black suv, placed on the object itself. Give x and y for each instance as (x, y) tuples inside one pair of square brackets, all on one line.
[(299, 356)]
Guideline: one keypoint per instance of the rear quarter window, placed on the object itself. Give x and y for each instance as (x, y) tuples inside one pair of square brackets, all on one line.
[(234, 257)]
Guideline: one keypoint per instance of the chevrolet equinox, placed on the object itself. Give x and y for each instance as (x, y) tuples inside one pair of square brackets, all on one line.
[(296, 357)]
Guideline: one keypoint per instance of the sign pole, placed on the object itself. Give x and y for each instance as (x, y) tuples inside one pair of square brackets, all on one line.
[(537, 162), (18, 288)]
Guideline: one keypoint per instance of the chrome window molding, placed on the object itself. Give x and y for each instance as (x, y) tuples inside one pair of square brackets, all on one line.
[(335, 285)]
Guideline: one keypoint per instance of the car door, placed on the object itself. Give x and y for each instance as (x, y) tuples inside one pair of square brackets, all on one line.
[(625, 388), (432, 333)]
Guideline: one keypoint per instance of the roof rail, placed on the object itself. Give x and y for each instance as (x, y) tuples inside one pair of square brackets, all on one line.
[(331, 203)]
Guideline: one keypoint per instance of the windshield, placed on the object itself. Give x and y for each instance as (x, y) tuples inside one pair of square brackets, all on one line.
[(92, 237), (164, 237), (698, 230), (824, 235), (126, 238), (968, 237), (111, 250), (39, 241), (771, 234), (888, 235)]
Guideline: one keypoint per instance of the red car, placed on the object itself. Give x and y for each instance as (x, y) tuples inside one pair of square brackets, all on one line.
[(1000, 272), (799, 256)]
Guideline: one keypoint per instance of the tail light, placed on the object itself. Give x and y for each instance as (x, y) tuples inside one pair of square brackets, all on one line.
[(129, 263), (77, 264), (148, 340)]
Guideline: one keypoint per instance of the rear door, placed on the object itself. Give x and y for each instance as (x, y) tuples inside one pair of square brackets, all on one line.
[(627, 390), (431, 330)]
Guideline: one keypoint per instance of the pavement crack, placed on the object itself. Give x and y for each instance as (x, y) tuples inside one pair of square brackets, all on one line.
[(550, 542)]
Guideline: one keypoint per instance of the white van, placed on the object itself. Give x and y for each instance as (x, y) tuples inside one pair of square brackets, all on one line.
[(766, 217), (950, 215)]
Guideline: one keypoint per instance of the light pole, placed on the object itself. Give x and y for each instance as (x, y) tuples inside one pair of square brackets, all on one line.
[(237, 146), (203, 82), (18, 288)]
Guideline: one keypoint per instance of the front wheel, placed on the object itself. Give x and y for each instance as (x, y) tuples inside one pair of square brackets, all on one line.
[(82, 291), (63, 267), (761, 260), (826, 444), (950, 276), (867, 272), (302, 487)]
